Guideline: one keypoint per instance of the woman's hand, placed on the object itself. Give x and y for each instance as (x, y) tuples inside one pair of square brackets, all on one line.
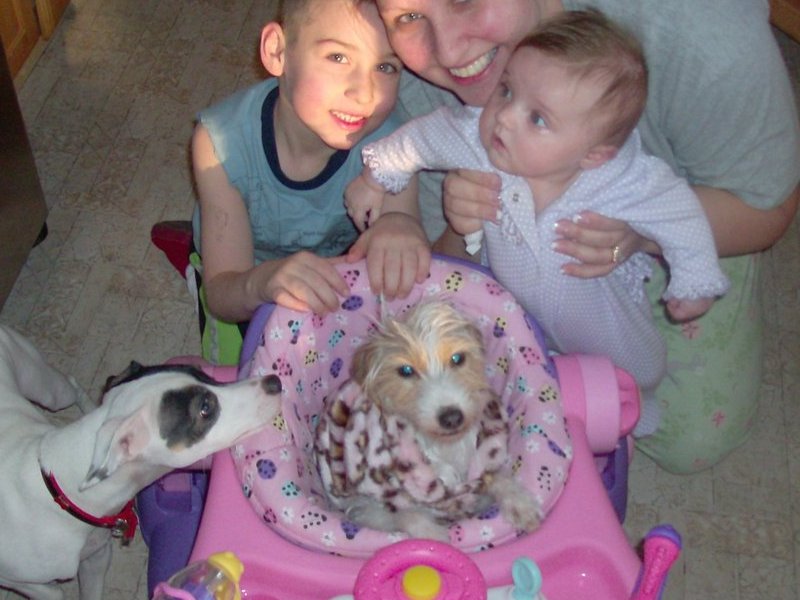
[(598, 243), (470, 197)]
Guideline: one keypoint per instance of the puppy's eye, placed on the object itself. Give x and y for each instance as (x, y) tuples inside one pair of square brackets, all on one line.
[(458, 359), (405, 371)]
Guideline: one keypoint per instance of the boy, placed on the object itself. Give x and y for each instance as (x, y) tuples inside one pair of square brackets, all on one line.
[(271, 164), (560, 129)]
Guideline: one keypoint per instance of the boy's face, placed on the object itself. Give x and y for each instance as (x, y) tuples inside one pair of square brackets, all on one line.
[(541, 122), (341, 75)]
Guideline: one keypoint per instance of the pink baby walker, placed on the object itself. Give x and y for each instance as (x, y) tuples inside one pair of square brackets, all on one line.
[(263, 503)]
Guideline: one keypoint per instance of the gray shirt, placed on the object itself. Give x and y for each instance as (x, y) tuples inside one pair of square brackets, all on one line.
[(720, 111)]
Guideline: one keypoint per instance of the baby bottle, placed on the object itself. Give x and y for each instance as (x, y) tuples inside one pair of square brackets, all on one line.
[(216, 578)]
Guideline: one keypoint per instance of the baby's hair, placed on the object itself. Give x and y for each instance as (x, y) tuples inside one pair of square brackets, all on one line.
[(292, 14), (591, 45)]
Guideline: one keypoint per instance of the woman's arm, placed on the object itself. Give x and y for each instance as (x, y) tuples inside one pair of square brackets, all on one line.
[(741, 229), (738, 229)]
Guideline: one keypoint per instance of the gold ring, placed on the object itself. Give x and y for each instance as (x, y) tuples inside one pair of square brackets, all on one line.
[(616, 254)]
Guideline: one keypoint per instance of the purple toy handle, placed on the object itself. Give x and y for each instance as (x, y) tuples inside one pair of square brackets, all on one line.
[(662, 546)]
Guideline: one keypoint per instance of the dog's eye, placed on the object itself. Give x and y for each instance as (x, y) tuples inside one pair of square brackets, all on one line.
[(405, 371), (206, 409), (458, 359)]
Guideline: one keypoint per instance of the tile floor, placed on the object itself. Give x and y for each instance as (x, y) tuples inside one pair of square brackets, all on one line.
[(109, 103)]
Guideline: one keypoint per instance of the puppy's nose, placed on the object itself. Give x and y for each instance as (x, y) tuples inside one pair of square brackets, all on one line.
[(272, 384), (451, 418)]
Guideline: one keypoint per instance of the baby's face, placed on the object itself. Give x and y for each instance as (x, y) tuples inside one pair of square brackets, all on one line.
[(541, 120), (341, 74)]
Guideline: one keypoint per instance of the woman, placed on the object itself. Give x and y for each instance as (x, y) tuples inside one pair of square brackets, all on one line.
[(720, 112)]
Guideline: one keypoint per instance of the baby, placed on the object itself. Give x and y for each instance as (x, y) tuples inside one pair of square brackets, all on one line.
[(560, 131)]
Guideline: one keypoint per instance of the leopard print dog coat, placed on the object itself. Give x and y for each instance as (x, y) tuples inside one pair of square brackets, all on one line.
[(360, 451)]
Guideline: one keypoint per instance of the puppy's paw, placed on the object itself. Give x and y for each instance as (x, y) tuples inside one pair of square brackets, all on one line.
[(422, 525), (522, 513), (369, 513), (517, 504)]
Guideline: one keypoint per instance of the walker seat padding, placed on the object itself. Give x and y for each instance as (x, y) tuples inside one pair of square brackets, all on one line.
[(311, 354)]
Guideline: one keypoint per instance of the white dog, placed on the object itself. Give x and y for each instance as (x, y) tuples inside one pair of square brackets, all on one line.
[(65, 490), (418, 439)]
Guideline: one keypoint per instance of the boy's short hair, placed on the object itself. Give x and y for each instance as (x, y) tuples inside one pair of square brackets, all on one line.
[(591, 45), (292, 14)]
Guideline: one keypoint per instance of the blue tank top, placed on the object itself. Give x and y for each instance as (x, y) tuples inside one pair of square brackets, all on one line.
[(286, 216)]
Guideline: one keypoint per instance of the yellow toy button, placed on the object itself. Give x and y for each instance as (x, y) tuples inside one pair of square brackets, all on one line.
[(421, 582)]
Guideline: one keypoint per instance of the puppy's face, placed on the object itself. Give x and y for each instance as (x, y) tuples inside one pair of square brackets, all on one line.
[(429, 369)]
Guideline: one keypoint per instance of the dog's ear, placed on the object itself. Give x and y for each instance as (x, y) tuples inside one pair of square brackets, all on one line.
[(363, 357), (130, 371), (119, 440)]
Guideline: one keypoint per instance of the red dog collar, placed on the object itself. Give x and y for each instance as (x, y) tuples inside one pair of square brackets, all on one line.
[(122, 525)]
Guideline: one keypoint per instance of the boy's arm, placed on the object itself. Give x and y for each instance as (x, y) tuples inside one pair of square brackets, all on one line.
[(234, 286)]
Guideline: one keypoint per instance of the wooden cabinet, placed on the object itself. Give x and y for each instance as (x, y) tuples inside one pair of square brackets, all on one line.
[(19, 30), (22, 204), (785, 15), (49, 12), (23, 22)]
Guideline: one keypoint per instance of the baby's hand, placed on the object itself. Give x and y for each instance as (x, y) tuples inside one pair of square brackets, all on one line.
[(363, 199), (682, 309), (470, 197)]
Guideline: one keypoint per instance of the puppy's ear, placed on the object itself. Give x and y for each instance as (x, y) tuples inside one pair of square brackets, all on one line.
[(360, 363), (476, 334), (119, 440)]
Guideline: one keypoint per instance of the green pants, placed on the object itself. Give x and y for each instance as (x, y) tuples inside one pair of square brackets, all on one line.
[(709, 397)]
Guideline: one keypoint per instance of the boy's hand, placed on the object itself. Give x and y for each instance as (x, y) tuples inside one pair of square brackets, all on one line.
[(363, 199), (681, 309), (398, 254), (470, 197), (307, 282)]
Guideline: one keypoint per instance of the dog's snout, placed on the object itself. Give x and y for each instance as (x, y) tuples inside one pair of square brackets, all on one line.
[(451, 418), (272, 384)]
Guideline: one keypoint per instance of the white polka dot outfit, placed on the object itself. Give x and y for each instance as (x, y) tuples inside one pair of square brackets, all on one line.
[(607, 315)]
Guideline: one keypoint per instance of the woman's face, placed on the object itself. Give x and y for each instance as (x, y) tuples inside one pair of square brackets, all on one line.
[(461, 45)]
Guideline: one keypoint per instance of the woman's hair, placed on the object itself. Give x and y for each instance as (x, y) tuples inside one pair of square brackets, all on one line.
[(592, 46)]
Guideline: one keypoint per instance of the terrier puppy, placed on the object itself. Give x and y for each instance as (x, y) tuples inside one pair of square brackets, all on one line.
[(417, 439)]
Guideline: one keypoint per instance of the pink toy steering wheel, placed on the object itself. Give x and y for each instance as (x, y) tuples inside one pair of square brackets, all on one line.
[(385, 575)]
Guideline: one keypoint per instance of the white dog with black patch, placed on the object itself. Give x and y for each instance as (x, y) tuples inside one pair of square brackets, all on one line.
[(66, 490)]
